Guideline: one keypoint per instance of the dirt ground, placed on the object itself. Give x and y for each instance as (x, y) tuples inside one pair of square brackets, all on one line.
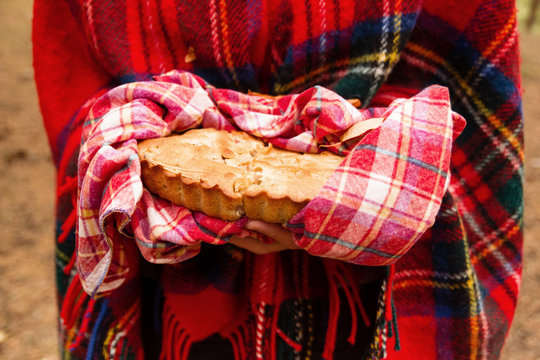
[(27, 302)]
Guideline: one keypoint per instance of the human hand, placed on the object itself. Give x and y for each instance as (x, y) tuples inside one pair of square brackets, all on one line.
[(283, 238)]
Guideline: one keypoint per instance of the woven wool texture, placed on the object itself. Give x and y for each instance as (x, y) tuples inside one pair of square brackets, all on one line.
[(453, 293)]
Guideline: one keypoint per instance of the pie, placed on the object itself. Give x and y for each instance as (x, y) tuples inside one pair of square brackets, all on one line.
[(230, 174)]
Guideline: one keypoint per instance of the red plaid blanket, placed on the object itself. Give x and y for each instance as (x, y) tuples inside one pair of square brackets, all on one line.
[(454, 291), (380, 200)]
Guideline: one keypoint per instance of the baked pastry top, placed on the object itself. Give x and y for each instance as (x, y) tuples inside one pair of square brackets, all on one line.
[(231, 174)]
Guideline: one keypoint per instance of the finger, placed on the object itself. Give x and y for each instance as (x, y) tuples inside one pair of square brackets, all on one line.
[(255, 245), (274, 231)]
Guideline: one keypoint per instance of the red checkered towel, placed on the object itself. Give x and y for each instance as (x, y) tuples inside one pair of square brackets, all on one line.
[(380, 200)]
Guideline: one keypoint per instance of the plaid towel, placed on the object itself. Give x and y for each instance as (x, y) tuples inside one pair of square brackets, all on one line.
[(380, 200)]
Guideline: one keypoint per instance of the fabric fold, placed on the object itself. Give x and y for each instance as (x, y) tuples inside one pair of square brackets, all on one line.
[(389, 189)]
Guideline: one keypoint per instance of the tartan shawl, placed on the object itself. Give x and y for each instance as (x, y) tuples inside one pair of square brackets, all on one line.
[(456, 289)]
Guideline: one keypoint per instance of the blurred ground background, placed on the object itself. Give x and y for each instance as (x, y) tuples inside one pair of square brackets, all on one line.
[(27, 302)]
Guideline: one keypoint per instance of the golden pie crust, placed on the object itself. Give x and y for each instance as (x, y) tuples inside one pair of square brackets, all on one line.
[(231, 174)]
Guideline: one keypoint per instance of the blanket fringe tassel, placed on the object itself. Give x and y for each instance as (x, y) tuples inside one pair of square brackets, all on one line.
[(261, 334)]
